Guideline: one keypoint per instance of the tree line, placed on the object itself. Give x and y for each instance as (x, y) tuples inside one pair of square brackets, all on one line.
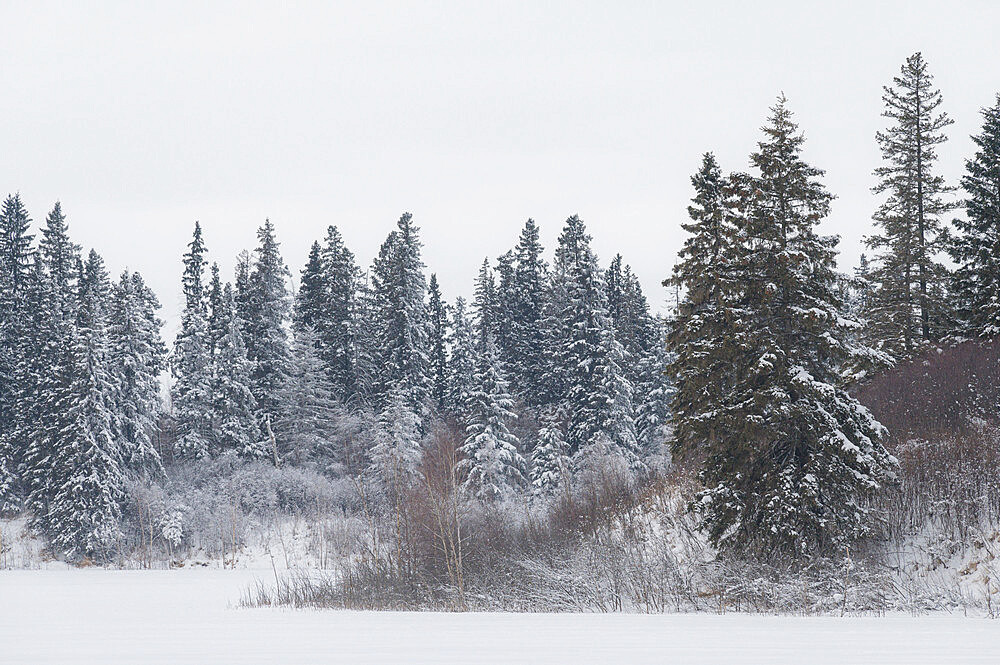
[(552, 372)]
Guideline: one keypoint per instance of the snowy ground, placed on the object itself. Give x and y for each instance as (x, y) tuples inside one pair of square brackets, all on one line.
[(188, 616)]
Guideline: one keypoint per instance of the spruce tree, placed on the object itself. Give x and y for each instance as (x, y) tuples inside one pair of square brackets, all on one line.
[(976, 248), (16, 273), (308, 405), (266, 337), (55, 306), (398, 290), (484, 307), (598, 396), (550, 463), (87, 482), (234, 408), (339, 328), (191, 361), (437, 311), (462, 363), (911, 308), (494, 467), (137, 357), (526, 353), (797, 457), (707, 336), (396, 454)]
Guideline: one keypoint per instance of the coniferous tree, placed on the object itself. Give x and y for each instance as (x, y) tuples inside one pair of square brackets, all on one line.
[(83, 513), (191, 362), (16, 272), (505, 307), (598, 396), (492, 463), (215, 304), (707, 336), (437, 311), (462, 363), (793, 470), (399, 289), (911, 307), (654, 393), (526, 353), (234, 408), (550, 463), (137, 357), (54, 323), (266, 337), (396, 455), (308, 404), (341, 328), (976, 249), (484, 307)]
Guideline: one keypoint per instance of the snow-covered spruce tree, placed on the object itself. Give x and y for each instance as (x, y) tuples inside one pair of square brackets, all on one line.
[(215, 306), (399, 289), (527, 300), (911, 307), (550, 463), (710, 331), (494, 468), (462, 363), (484, 307), (628, 309), (310, 299), (234, 409), (437, 311), (598, 396), (87, 480), (191, 362), (266, 337), (976, 248), (505, 306), (16, 261), (793, 472), (54, 305), (653, 395), (137, 356), (327, 303), (308, 405), (396, 454)]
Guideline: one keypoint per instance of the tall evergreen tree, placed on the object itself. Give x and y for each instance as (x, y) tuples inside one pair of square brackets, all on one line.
[(216, 318), (911, 307), (16, 272), (550, 463), (137, 357), (598, 396), (462, 363), (484, 307), (234, 408), (976, 249), (339, 327), (792, 471), (493, 465), (399, 289), (526, 353), (191, 362), (87, 480), (707, 335), (308, 404), (266, 338), (437, 311), (55, 305)]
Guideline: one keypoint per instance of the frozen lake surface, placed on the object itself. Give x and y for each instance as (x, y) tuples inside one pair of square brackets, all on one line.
[(189, 616)]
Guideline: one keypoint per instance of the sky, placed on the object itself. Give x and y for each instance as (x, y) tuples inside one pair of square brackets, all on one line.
[(474, 116)]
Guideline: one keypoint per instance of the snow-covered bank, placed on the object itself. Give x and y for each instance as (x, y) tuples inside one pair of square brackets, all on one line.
[(188, 616)]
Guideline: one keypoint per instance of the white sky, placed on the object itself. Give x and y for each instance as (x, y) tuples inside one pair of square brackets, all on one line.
[(472, 116)]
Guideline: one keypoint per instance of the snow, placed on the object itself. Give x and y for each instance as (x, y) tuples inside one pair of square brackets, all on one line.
[(92, 616)]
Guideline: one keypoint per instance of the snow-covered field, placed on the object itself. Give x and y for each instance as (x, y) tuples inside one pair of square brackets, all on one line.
[(189, 616)]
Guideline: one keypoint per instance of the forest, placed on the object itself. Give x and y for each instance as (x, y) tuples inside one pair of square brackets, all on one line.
[(790, 436)]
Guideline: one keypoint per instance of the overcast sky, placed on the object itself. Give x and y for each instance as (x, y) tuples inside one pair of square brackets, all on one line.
[(472, 116)]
